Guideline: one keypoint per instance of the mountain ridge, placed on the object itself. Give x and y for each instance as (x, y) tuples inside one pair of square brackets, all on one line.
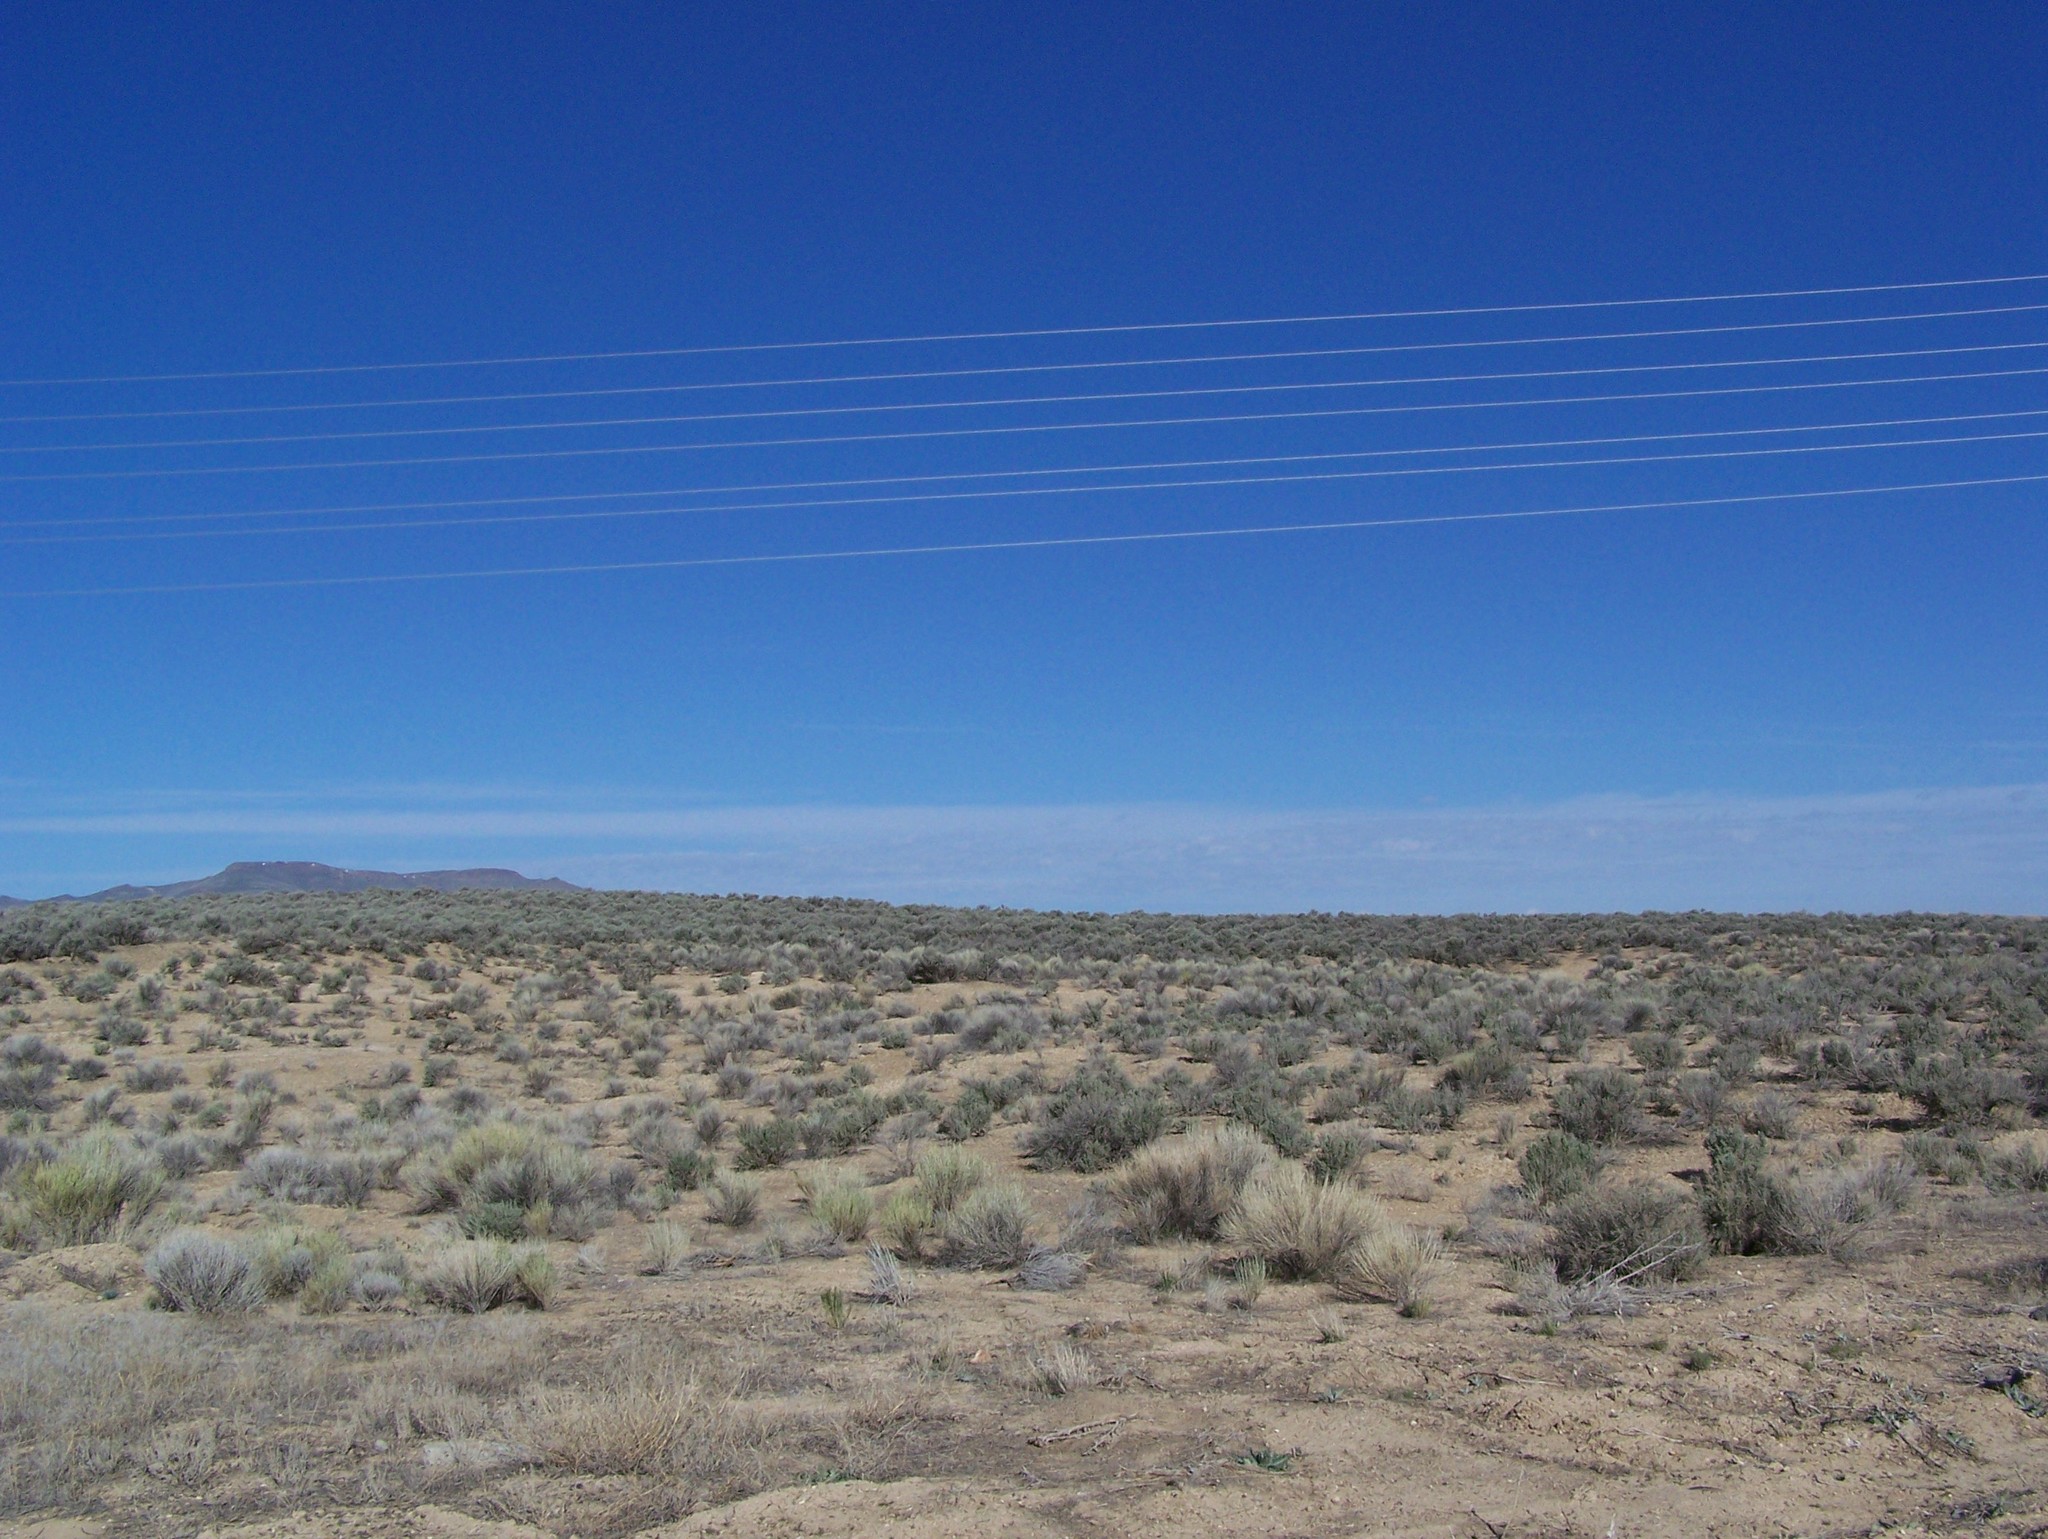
[(283, 876)]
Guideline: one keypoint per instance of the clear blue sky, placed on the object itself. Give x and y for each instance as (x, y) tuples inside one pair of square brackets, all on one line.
[(1814, 703)]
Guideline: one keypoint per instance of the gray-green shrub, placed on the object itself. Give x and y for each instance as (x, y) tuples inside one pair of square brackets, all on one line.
[(199, 1273), (1633, 1231), (1600, 1106), (1095, 1120), (1556, 1166)]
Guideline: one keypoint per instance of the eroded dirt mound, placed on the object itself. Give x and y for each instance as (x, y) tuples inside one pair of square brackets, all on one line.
[(64, 1275)]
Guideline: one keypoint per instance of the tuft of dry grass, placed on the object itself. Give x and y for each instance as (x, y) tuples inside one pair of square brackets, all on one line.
[(990, 1229), (674, 1428), (1250, 1275), (1401, 1264), (1063, 1369), (839, 1202), (668, 1248), (2018, 1166), (887, 1281), (1539, 1294), (905, 1224), (1302, 1228), (123, 1396), (946, 1174), (286, 1259), (1832, 1210), (651, 1410), (1185, 1187), (474, 1276), (505, 1178), (1051, 1271), (733, 1200)]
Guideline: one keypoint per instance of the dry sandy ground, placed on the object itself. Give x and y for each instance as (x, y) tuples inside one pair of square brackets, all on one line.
[(1774, 1396)]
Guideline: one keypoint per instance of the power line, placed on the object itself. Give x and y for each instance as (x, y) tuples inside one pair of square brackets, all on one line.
[(1122, 467), (162, 472), (1058, 368), (1050, 331), (1044, 543), (992, 494), (1186, 392)]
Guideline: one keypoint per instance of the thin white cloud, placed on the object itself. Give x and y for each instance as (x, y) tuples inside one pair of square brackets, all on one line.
[(1978, 848)]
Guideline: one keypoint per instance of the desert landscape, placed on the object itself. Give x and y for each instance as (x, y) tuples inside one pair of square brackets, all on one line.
[(1136, 771), (539, 1213)]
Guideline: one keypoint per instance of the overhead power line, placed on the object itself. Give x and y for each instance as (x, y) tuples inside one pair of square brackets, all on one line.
[(1187, 392), (1552, 306), (1289, 354), (1050, 542), (993, 494), (1117, 468), (164, 472)]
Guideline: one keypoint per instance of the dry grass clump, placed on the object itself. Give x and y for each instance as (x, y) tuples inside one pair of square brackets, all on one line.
[(946, 1174), (668, 1248), (2018, 1166), (1401, 1264), (907, 1224), (1046, 1270), (202, 1274), (654, 1412), (990, 1229), (78, 1399), (1300, 1227), (1250, 1274), (28, 1072), (1772, 1114), (1539, 1293), (672, 1427), (888, 1283), (732, 1200), (838, 1201), (99, 1187), (377, 1288), (1832, 1210), (1063, 1369), (475, 1276), (1185, 1187)]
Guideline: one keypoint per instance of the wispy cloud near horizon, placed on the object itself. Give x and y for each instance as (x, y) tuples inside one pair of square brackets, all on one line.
[(1982, 849)]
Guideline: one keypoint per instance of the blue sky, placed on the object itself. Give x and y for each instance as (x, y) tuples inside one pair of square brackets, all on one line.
[(1791, 700)]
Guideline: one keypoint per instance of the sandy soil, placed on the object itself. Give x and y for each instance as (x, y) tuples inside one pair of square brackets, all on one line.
[(1781, 1395)]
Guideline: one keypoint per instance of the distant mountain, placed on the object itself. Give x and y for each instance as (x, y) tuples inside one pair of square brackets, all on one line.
[(257, 876)]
